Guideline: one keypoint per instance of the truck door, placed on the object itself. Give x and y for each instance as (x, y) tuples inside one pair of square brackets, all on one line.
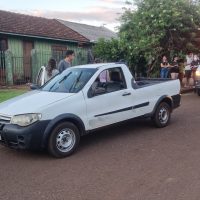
[(109, 100)]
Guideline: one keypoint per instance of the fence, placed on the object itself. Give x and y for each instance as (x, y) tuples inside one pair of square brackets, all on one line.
[(21, 70), (40, 58), (2, 68)]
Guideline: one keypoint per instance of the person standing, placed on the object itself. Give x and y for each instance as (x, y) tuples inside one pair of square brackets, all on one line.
[(66, 62), (194, 65), (50, 70), (164, 67), (181, 70), (174, 70), (188, 71)]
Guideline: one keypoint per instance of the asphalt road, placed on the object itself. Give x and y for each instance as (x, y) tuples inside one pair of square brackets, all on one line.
[(134, 161)]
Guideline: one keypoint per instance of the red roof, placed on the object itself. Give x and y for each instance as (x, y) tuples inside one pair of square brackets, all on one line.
[(15, 23)]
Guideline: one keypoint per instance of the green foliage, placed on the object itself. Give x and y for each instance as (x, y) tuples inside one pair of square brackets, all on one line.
[(154, 27), (159, 27), (108, 50)]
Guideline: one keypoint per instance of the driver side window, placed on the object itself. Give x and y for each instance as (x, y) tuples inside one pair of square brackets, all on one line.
[(110, 80)]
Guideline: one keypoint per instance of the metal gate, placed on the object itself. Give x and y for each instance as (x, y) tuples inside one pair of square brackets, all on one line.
[(21, 73), (24, 69)]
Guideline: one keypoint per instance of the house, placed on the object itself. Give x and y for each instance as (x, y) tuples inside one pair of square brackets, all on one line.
[(27, 42), (92, 33)]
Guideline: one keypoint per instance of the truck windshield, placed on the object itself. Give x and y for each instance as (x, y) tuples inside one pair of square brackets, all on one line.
[(71, 80)]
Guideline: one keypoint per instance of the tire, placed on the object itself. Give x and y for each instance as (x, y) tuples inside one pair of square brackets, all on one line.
[(162, 115), (63, 140), (198, 92)]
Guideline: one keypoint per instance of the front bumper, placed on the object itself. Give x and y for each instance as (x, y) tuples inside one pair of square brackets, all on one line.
[(17, 137)]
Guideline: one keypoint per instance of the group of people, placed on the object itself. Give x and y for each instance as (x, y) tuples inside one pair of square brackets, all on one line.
[(52, 69), (179, 68)]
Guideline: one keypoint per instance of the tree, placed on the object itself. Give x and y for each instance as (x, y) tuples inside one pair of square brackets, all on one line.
[(108, 50), (158, 27)]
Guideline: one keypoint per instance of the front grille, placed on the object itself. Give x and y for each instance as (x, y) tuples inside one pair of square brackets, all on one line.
[(5, 119)]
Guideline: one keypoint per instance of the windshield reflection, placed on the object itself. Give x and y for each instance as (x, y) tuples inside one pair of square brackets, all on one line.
[(71, 80)]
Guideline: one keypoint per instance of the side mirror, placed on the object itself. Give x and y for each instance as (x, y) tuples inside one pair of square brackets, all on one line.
[(34, 87)]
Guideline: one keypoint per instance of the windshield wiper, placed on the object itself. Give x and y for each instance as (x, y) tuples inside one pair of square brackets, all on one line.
[(75, 83), (64, 78)]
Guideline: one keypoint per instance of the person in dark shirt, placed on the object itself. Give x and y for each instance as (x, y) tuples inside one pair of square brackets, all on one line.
[(66, 63), (174, 69)]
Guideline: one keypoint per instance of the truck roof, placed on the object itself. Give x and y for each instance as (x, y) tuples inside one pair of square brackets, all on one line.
[(95, 66)]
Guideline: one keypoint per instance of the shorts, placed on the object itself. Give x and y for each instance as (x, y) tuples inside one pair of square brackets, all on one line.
[(174, 70), (188, 73)]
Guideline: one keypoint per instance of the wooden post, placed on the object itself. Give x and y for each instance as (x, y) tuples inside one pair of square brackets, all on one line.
[(9, 68), (34, 65)]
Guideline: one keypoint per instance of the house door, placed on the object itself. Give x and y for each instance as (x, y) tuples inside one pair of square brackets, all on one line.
[(3, 48), (27, 47)]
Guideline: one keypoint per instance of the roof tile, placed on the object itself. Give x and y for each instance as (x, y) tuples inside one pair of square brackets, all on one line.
[(37, 26)]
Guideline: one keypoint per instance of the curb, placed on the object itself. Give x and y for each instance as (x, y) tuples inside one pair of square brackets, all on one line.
[(187, 90)]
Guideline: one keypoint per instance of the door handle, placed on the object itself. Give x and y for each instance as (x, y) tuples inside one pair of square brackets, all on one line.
[(126, 94)]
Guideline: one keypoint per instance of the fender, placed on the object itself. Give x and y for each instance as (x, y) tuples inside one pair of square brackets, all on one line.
[(166, 98), (64, 117)]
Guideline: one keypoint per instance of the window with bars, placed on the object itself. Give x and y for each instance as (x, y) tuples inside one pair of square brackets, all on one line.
[(3, 44), (58, 52)]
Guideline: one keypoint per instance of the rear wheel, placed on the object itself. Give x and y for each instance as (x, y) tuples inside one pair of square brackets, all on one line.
[(63, 140), (162, 115)]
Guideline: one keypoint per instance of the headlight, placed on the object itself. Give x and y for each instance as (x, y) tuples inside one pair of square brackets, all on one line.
[(25, 119), (197, 73)]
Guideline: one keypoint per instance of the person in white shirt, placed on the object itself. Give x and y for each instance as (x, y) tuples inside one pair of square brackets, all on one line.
[(189, 60), (50, 70), (188, 69)]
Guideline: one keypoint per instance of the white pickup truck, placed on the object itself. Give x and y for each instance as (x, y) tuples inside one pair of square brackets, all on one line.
[(80, 100)]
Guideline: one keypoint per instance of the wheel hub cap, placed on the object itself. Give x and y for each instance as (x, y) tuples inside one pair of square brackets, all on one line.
[(163, 115), (65, 140)]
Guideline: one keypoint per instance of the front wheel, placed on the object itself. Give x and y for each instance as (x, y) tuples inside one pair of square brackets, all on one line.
[(162, 115), (63, 140)]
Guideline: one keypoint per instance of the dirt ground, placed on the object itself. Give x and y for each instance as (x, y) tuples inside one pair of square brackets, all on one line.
[(133, 161)]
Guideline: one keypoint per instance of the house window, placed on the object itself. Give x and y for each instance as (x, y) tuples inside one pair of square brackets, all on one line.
[(80, 45), (3, 44)]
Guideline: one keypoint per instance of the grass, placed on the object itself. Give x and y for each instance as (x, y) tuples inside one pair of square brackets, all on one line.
[(6, 94)]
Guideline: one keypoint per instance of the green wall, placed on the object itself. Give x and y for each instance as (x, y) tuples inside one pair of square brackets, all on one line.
[(44, 52), (40, 54), (15, 46), (42, 45)]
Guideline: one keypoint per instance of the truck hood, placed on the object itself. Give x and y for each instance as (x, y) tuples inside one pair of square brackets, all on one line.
[(31, 102)]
